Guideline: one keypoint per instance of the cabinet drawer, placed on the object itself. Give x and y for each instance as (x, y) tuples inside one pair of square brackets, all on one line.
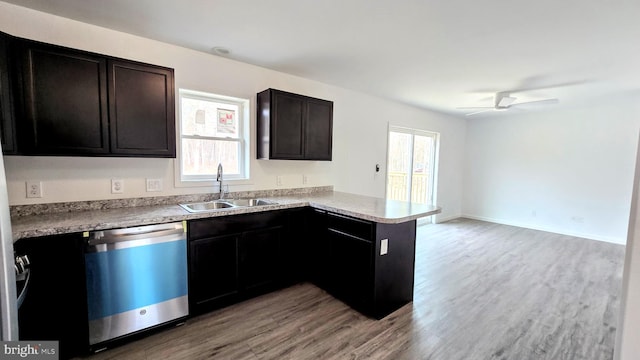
[(351, 226), (223, 225)]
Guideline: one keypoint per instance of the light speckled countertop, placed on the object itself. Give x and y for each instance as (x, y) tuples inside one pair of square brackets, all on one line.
[(362, 207)]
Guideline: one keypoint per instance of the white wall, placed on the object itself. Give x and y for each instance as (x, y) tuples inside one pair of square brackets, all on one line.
[(567, 171), (367, 147), (360, 125)]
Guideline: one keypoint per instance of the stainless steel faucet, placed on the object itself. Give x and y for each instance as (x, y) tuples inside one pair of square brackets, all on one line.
[(219, 179)]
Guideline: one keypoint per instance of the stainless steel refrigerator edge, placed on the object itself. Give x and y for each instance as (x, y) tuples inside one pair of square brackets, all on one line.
[(8, 301)]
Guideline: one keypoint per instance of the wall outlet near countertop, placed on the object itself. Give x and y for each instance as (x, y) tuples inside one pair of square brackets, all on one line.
[(34, 189), (384, 246), (117, 186)]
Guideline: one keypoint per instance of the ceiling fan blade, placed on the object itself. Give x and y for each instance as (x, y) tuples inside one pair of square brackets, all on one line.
[(537, 102), (531, 84), (479, 111), (549, 86)]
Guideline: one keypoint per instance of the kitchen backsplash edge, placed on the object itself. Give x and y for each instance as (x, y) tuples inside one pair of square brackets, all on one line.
[(61, 207)]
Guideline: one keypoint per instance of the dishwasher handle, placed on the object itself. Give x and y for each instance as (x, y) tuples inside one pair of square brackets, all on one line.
[(150, 233)]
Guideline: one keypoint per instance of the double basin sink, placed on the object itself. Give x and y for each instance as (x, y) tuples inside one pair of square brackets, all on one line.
[(224, 204)]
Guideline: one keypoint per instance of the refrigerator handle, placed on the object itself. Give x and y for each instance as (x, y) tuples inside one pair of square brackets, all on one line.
[(23, 293), (23, 273)]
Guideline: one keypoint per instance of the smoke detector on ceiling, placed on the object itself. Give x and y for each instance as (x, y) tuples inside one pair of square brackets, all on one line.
[(223, 51)]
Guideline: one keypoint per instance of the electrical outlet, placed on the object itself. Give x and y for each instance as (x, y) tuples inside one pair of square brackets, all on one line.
[(384, 246), (154, 185), (117, 186), (305, 179), (279, 180), (34, 189)]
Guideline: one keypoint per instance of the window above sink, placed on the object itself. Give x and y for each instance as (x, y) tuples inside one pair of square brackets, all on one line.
[(212, 129)]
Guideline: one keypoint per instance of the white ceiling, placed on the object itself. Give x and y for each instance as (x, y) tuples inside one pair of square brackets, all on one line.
[(433, 54)]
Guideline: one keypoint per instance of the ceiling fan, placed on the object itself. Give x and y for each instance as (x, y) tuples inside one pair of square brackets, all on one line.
[(504, 101)]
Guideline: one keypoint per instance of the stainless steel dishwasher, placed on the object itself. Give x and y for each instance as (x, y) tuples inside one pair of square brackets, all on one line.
[(136, 279)]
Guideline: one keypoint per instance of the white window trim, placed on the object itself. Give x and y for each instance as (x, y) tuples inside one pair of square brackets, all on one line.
[(244, 141)]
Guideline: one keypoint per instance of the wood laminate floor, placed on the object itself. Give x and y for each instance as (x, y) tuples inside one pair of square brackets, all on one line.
[(482, 291)]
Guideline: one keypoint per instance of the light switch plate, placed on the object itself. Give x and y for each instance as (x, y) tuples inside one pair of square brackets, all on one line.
[(384, 246), (154, 185)]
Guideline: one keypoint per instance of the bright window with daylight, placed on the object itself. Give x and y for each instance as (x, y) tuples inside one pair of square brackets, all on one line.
[(213, 130)]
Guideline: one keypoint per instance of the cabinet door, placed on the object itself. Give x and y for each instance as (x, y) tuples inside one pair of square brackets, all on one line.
[(287, 127), (351, 259), (259, 252), (293, 261), (318, 130), (65, 101), (6, 106), (318, 249), (213, 275), (351, 269), (141, 110)]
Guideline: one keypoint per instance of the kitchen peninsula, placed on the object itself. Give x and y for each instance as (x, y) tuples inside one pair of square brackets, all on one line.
[(360, 249)]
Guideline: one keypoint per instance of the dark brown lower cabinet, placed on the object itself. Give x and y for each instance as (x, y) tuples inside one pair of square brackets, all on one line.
[(371, 280), (293, 244), (236, 257), (232, 258), (393, 276), (213, 271), (351, 269), (259, 258), (317, 249)]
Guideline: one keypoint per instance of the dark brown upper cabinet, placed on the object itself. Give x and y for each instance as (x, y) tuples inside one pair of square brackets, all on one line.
[(141, 109), (293, 126), (77, 103), (64, 101), (6, 98)]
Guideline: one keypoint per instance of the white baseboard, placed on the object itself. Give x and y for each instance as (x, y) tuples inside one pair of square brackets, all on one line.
[(609, 239), (440, 219)]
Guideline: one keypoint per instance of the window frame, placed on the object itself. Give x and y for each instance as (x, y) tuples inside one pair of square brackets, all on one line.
[(434, 159), (243, 140)]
